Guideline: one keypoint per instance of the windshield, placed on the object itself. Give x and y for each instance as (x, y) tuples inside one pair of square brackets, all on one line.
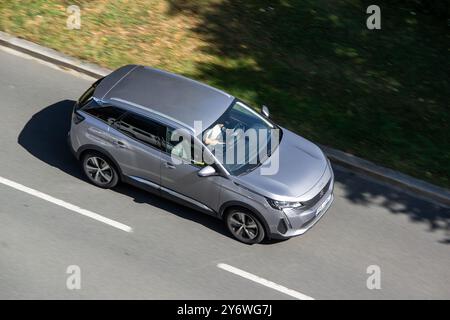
[(241, 139)]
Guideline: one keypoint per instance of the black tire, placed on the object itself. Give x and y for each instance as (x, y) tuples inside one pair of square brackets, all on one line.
[(238, 222), (105, 178)]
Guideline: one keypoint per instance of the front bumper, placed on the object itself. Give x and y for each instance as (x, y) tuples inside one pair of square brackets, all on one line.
[(298, 221), (318, 215)]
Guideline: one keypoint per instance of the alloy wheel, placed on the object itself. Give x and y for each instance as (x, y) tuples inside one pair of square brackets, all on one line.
[(243, 226), (99, 170)]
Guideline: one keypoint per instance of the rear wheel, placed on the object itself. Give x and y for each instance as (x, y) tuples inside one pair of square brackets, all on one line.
[(100, 170), (244, 226)]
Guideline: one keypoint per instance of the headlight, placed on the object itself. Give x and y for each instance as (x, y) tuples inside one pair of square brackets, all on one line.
[(284, 204)]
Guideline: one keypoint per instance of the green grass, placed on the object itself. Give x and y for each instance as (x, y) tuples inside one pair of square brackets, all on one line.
[(382, 95)]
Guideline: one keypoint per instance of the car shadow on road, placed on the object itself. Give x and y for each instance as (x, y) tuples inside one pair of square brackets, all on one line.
[(45, 137)]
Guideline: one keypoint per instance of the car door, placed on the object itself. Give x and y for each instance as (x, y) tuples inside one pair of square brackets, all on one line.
[(138, 147), (179, 175)]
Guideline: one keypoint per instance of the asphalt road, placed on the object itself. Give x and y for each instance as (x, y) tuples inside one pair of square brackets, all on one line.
[(173, 252)]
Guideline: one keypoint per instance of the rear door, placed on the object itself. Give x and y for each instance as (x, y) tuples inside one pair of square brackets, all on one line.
[(137, 145)]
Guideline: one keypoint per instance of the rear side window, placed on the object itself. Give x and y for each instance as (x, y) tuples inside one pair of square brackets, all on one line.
[(108, 114), (140, 128)]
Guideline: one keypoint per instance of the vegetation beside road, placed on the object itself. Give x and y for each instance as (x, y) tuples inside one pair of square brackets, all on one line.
[(379, 94)]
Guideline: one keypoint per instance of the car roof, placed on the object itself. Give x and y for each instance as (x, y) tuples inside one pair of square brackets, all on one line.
[(160, 92)]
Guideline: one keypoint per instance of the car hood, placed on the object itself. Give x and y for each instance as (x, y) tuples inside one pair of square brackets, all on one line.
[(302, 165)]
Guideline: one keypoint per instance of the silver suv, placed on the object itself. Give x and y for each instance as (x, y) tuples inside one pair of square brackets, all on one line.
[(201, 147)]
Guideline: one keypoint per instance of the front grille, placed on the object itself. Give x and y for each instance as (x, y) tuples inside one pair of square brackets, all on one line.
[(312, 202)]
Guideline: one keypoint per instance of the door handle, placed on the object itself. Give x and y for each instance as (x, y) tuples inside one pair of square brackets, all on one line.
[(121, 144), (169, 165)]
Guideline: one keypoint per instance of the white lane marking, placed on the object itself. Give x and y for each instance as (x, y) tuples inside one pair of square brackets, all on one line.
[(66, 205), (264, 282)]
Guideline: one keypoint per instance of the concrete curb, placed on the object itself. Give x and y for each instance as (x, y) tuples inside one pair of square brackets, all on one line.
[(390, 176), (52, 56), (352, 162)]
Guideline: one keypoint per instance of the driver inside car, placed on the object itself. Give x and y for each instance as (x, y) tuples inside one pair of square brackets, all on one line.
[(214, 136)]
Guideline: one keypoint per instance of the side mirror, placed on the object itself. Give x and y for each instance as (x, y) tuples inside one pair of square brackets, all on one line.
[(206, 171), (265, 111)]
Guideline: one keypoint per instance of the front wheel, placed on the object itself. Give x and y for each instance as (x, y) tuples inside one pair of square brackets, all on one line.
[(100, 170), (244, 226)]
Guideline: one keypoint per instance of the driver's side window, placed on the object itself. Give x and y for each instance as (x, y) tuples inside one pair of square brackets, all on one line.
[(181, 146)]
